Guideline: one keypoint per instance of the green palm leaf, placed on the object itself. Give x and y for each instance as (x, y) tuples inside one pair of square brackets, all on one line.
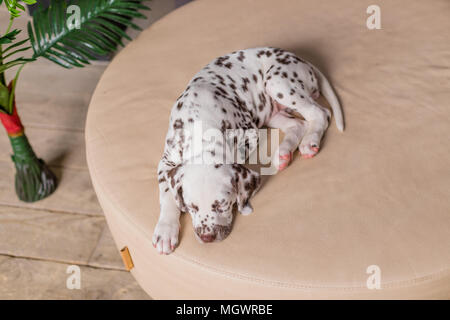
[(14, 7), (13, 63), (7, 52), (9, 37), (100, 30)]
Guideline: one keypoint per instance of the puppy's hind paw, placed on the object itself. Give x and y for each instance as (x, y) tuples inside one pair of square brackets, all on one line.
[(309, 147), (284, 161), (281, 159), (165, 236)]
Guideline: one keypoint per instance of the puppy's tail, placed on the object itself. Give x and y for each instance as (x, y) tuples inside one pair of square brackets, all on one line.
[(329, 94)]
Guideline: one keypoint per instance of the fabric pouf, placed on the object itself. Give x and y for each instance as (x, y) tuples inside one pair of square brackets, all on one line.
[(373, 204)]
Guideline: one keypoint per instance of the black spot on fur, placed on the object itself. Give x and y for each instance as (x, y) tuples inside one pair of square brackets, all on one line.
[(241, 56), (220, 61), (225, 125), (261, 73), (260, 53), (231, 79)]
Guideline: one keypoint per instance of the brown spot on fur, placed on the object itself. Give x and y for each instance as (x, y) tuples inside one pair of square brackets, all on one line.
[(182, 205), (194, 207), (241, 56), (171, 174), (178, 124)]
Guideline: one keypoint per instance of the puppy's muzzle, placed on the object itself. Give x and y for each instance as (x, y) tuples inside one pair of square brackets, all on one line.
[(219, 232), (208, 237)]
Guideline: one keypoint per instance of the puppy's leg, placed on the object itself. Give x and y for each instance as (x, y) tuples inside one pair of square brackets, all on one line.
[(293, 98), (318, 119), (293, 129), (165, 235)]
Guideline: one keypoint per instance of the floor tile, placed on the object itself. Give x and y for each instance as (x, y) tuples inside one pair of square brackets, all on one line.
[(32, 279), (47, 235), (106, 254), (74, 193)]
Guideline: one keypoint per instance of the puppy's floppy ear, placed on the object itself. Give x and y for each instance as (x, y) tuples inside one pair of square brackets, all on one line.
[(246, 183), (174, 177)]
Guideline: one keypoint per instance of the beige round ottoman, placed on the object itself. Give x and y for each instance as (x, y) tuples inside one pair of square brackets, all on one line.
[(373, 205)]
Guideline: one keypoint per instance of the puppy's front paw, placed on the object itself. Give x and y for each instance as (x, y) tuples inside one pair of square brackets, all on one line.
[(165, 236)]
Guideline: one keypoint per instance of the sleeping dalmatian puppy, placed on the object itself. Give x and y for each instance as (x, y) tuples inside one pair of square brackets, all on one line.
[(243, 90)]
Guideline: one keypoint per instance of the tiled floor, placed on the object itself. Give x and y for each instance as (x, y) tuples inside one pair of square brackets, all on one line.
[(39, 241)]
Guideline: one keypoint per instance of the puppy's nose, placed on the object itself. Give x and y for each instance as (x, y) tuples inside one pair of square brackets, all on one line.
[(210, 237)]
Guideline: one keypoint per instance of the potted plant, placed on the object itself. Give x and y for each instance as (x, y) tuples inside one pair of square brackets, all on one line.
[(69, 41)]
